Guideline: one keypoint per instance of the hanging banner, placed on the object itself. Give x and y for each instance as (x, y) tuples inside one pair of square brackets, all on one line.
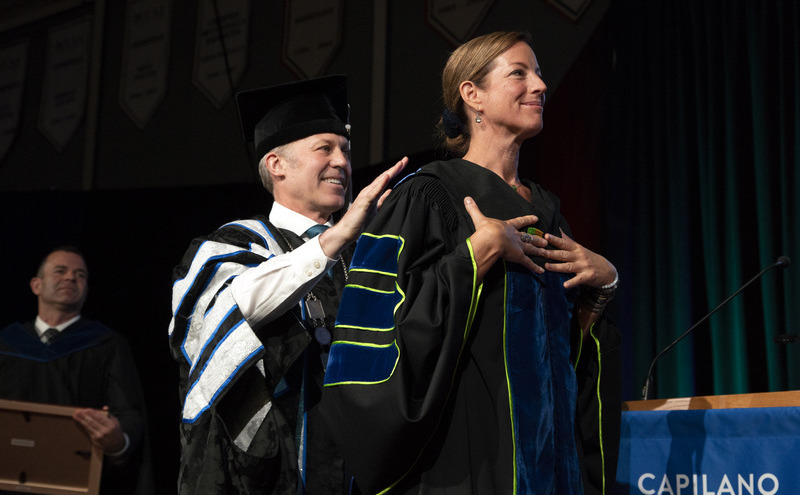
[(12, 79), (16, 13), (312, 35), (570, 8), (457, 20), (66, 75), (219, 61), (144, 58)]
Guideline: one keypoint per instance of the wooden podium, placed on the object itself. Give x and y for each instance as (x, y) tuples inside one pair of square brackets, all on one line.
[(767, 399), (721, 444), (44, 451)]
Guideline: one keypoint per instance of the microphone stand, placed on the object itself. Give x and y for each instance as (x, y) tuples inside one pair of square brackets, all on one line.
[(783, 261)]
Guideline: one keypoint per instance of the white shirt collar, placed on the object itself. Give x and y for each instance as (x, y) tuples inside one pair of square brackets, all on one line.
[(42, 327), (284, 218)]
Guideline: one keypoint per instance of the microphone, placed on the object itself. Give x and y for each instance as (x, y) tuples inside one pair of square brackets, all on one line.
[(783, 261)]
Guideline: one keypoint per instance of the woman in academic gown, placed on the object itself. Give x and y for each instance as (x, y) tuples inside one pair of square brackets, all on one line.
[(469, 307)]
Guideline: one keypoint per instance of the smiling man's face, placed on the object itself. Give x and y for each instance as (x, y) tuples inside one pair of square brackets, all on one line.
[(313, 175)]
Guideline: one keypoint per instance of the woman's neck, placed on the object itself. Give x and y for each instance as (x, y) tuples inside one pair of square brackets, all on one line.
[(502, 160)]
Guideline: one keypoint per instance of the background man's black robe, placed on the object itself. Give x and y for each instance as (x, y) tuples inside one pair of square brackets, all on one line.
[(87, 365)]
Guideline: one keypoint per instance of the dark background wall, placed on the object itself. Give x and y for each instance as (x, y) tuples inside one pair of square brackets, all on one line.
[(188, 141)]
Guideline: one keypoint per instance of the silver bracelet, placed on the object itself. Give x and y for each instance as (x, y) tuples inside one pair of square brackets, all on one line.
[(613, 285), (596, 298)]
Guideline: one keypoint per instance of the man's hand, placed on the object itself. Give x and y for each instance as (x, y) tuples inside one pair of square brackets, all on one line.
[(103, 429), (363, 209)]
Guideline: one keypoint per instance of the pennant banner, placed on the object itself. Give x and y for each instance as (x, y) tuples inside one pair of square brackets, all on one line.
[(457, 20), (219, 62), (65, 81), (144, 58), (570, 8), (12, 79), (313, 35)]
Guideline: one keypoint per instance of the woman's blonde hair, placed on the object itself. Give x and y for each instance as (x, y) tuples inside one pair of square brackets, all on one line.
[(471, 61)]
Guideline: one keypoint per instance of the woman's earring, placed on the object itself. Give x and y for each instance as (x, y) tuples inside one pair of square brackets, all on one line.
[(478, 118)]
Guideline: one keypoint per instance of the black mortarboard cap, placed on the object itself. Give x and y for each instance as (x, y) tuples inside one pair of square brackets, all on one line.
[(281, 114)]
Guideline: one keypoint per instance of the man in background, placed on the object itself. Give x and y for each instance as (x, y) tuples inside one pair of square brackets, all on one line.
[(63, 358)]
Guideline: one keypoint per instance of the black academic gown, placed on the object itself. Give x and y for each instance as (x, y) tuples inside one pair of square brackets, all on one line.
[(260, 432), (437, 383), (87, 365)]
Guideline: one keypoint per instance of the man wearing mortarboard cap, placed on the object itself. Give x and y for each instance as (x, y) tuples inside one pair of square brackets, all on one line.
[(254, 302)]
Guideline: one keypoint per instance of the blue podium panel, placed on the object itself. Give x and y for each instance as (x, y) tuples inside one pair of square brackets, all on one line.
[(754, 451)]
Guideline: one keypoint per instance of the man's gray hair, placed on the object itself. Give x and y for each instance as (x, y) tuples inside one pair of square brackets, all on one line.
[(284, 151)]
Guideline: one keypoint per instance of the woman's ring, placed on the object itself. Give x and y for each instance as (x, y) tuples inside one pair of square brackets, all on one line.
[(526, 238)]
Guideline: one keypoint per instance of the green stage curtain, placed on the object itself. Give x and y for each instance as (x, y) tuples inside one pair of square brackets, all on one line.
[(703, 191)]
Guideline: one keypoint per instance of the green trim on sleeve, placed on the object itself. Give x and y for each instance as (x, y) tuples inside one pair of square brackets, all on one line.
[(508, 383), (580, 346), (477, 288), (599, 404)]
